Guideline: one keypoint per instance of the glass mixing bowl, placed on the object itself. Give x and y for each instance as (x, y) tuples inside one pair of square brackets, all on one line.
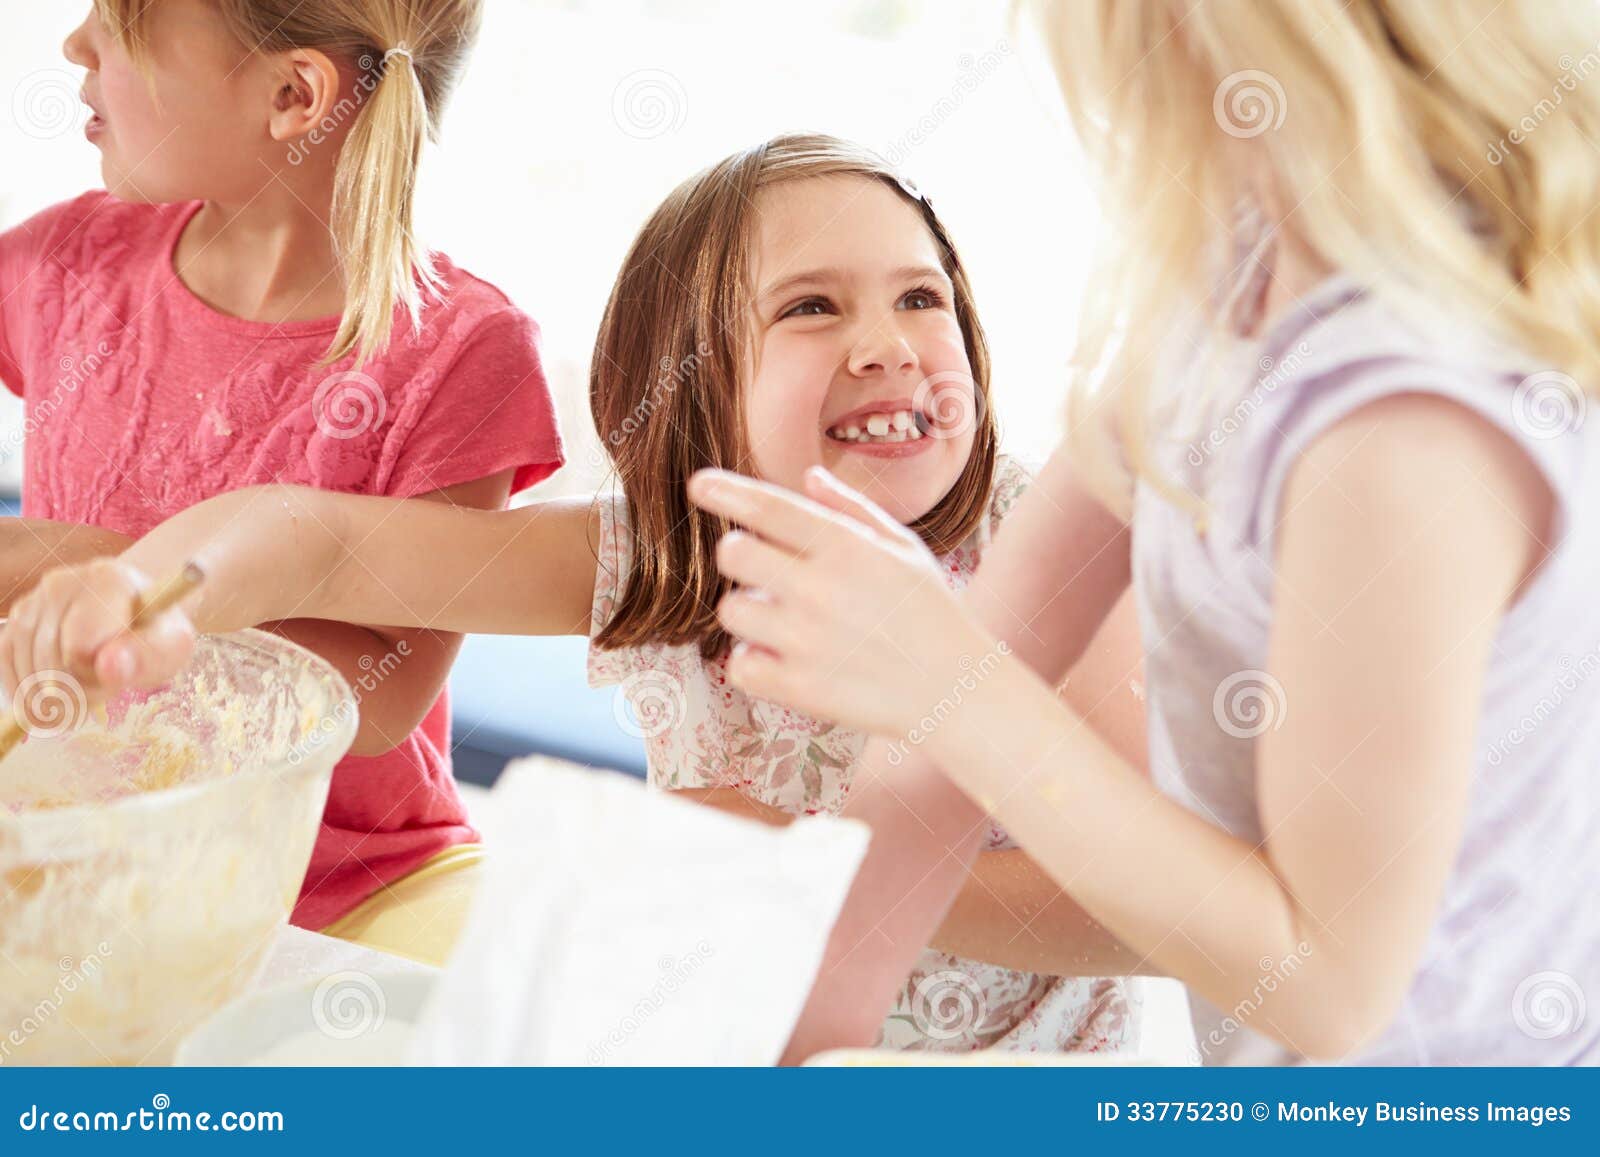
[(151, 849)]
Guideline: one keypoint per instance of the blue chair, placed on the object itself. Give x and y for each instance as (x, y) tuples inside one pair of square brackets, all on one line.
[(513, 696)]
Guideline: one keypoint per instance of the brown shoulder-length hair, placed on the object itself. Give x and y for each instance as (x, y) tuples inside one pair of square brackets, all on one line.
[(664, 385)]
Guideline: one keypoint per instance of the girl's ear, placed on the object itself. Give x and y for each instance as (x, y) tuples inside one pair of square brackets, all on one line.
[(306, 95)]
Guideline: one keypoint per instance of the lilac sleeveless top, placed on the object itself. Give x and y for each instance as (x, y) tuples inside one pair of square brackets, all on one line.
[(1513, 958)]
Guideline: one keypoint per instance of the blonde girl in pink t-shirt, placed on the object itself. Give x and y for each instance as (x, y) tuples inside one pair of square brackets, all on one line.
[(246, 302), (793, 304)]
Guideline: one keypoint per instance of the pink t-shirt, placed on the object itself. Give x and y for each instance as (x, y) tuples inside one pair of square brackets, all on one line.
[(142, 400)]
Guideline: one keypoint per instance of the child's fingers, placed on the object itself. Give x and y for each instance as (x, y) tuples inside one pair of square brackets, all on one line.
[(780, 516), (46, 654), (148, 657), (822, 485), (758, 672), (84, 630), (73, 611), (755, 618), (749, 561), (8, 674), (116, 665), (19, 640)]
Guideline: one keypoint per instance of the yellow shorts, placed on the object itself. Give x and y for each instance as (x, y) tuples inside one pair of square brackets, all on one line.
[(420, 915)]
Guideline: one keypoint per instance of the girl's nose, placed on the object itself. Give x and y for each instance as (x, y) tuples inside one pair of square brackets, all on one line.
[(882, 349), (79, 45)]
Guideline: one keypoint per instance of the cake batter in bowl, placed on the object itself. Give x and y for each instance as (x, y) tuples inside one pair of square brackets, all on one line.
[(149, 855)]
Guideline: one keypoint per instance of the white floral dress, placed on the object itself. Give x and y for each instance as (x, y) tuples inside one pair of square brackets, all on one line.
[(701, 732)]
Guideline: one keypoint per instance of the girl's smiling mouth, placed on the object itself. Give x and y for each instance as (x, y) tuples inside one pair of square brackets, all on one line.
[(881, 425)]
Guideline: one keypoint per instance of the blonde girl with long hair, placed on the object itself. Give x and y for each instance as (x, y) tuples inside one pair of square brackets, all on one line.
[(796, 303), (1328, 421), (245, 302)]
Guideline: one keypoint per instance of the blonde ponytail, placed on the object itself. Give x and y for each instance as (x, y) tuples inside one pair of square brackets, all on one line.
[(410, 54), (373, 199)]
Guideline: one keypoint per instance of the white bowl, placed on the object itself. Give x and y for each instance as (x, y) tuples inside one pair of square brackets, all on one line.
[(346, 1019), (149, 855)]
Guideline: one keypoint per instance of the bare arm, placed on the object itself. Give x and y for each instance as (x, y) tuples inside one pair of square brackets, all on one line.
[(926, 833), (1010, 912), (1404, 538), (391, 708), (281, 552), (284, 551)]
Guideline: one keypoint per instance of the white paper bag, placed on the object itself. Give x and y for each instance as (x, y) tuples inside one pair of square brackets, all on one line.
[(618, 926)]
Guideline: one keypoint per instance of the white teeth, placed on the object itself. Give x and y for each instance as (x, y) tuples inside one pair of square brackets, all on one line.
[(896, 426)]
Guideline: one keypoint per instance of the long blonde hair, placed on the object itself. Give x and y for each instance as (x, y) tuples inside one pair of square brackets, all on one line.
[(665, 381), (1441, 151), (410, 54)]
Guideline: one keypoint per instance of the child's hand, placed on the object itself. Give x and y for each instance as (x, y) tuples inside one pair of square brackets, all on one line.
[(842, 612), (75, 626)]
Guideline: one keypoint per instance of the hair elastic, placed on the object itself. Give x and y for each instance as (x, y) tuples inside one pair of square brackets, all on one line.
[(400, 50)]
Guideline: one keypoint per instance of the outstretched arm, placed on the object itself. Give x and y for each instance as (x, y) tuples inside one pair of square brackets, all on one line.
[(283, 552), (926, 832)]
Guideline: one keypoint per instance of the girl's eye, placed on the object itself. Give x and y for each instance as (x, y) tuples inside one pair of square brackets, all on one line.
[(810, 307), (925, 298)]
